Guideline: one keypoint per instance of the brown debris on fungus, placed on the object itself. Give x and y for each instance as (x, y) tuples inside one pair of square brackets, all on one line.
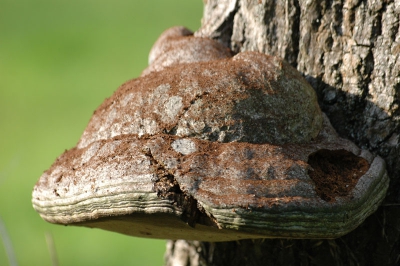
[(335, 172), (213, 147)]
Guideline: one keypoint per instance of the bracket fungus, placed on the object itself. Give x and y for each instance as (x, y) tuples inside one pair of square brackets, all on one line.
[(207, 145)]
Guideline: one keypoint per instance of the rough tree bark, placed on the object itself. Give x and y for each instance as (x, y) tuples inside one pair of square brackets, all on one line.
[(349, 51)]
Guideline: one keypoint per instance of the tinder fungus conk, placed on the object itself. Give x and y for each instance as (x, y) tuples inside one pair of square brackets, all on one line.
[(212, 147)]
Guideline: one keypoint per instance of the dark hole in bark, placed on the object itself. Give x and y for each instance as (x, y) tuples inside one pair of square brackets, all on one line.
[(335, 173)]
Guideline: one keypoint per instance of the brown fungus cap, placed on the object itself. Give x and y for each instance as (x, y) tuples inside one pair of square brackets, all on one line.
[(219, 149)]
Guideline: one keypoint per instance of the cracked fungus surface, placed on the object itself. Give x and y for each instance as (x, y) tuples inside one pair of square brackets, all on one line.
[(218, 150), (243, 98)]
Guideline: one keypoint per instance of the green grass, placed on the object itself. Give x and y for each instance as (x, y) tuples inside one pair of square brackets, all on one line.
[(58, 61)]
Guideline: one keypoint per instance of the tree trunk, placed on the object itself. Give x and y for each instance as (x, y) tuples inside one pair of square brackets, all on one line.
[(349, 51)]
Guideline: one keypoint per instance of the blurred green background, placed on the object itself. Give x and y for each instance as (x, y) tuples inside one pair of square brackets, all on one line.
[(58, 61)]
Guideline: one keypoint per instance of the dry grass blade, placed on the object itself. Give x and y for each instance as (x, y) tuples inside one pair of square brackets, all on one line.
[(52, 249), (7, 244)]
